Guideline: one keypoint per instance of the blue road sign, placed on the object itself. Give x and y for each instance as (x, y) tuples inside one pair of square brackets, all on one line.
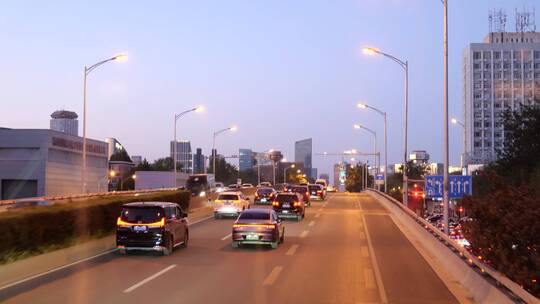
[(379, 177), (459, 185)]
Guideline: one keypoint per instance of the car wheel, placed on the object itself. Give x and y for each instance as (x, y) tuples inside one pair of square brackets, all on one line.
[(300, 217), (216, 216), (274, 245), (235, 244), (169, 247), (282, 238), (122, 251), (186, 239)]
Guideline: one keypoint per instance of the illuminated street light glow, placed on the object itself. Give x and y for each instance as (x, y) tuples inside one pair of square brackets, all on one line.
[(200, 109), (361, 105), (121, 57), (356, 126), (369, 51)]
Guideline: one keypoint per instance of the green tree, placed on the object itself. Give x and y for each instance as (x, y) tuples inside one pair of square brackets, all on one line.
[(226, 173), (354, 175)]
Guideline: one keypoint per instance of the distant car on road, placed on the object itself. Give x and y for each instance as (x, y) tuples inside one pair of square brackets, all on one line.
[(317, 191), (264, 195), (265, 184), (258, 226), (303, 191), (289, 205), (331, 188), (151, 226), (245, 186), (219, 187), (230, 203), (322, 182), (233, 187)]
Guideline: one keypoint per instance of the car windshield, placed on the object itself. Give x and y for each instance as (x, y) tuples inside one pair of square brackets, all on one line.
[(264, 191), (314, 187), (286, 198), (255, 216), (228, 197), (194, 181), (141, 214)]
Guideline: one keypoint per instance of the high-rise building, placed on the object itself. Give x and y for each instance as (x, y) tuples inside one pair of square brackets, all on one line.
[(198, 162), (303, 153), (502, 73), (419, 157), (65, 121), (184, 157), (246, 159)]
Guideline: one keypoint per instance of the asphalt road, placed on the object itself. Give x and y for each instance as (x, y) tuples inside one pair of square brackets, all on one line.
[(346, 250)]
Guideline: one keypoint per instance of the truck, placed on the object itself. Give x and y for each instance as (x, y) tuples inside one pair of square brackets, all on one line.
[(200, 184)]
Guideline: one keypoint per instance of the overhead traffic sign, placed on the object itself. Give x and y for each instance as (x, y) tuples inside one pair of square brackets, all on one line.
[(379, 179), (459, 186)]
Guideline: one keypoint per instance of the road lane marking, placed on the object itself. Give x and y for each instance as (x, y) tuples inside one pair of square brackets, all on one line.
[(364, 252), (369, 279), (271, 278), (292, 250), (150, 278), (226, 237), (362, 235), (304, 233), (311, 223), (320, 209), (377, 271), (317, 215)]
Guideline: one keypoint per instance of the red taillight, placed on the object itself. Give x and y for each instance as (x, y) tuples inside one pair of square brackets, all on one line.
[(319, 191), (161, 223), (275, 203), (272, 226), (297, 204)]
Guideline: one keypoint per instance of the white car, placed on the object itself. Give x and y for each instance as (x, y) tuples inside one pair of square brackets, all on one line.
[(230, 203), (265, 184), (219, 187), (247, 186)]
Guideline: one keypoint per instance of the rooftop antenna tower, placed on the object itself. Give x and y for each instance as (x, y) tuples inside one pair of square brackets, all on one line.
[(497, 21), (525, 21)]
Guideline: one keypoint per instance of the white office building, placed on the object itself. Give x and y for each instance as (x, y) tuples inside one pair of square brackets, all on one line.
[(184, 156), (501, 73), (65, 121)]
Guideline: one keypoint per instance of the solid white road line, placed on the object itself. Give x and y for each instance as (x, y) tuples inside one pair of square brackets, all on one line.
[(377, 271), (271, 278), (292, 250), (150, 278), (55, 269), (304, 233), (369, 279), (226, 237), (311, 223), (317, 215)]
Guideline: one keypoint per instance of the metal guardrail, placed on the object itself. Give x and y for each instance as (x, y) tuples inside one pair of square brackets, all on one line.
[(76, 196), (510, 287)]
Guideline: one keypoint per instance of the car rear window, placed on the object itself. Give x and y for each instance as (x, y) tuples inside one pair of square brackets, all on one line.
[(142, 214), (314, 187), (299, 189), (286, 198), (228, 197), (255, 216), (264, 191)]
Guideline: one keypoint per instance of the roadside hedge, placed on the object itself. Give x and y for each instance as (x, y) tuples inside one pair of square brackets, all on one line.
[(28, 231)]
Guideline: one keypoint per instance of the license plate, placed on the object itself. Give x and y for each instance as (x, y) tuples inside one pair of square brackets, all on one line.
[(263, 200), (286, 205), (139, 228), (227, 203), (285, 211), (314, 193), (252, 237)]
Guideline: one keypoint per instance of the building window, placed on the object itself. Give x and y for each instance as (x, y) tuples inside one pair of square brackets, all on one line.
[(497, 55), (477, 55)]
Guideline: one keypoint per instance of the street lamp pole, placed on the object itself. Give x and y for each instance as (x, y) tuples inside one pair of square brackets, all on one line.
[(233, 128), (359, 126), (87, 71), (446, 143), (175, 144), (365, 106), (455, 121), (405, 66)]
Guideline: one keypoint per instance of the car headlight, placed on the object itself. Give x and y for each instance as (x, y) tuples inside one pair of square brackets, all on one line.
[(202, 193)]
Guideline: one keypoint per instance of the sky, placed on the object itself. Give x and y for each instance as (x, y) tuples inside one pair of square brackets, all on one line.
[(279, 70)]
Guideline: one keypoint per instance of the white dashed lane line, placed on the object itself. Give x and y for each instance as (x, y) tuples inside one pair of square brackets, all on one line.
[(226, 237), (150, 278), (311, 223), (292, 250), (304, 233), (272, 277)]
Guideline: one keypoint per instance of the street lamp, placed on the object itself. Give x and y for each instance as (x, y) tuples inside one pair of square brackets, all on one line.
[(285, 172), (233, 128), (359, 126), (365, 106), (198, 109), (405, 66), (87, 71)]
